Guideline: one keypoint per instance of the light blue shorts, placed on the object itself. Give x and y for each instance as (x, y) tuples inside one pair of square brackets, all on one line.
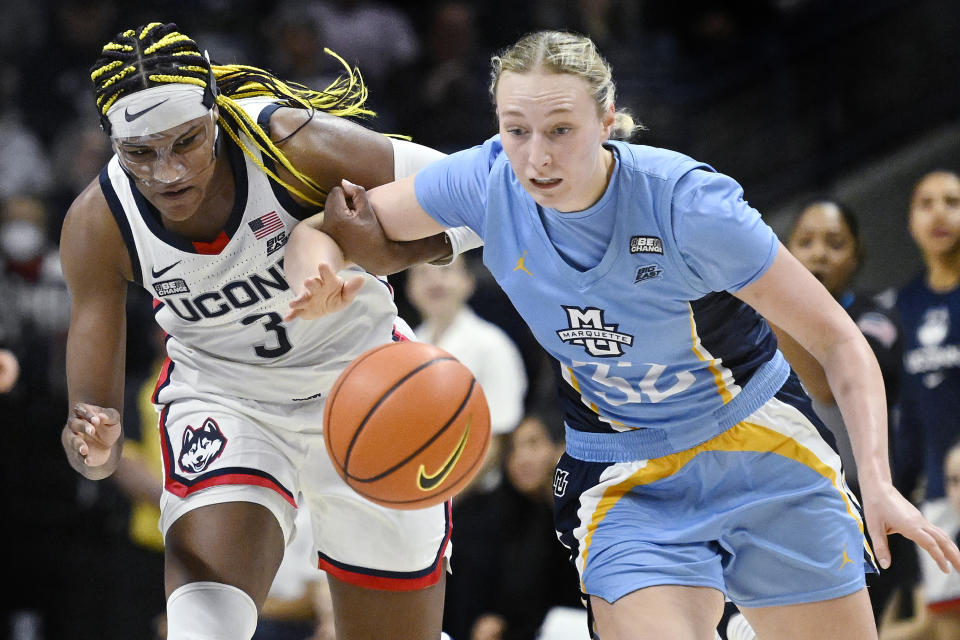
[(761, 513)]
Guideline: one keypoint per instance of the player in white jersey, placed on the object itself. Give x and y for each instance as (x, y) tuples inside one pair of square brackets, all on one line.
[(213, 166), (695, 467)]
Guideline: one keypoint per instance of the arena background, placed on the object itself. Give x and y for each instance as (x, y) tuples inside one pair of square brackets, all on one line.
[(791, 97)]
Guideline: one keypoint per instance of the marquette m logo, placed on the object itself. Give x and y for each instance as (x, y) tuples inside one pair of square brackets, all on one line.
[(587, 329)]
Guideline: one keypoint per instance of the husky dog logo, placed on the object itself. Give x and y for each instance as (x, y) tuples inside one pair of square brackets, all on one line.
[(201, 446), (587, 328)]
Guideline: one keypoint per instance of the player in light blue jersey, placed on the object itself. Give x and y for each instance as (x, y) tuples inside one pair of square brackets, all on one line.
[(695, 468)]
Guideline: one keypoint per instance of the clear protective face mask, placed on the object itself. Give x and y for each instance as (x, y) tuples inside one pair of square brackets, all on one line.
[(169, 158)]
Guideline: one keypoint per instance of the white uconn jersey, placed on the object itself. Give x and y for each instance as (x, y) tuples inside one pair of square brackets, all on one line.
[(222, 303)]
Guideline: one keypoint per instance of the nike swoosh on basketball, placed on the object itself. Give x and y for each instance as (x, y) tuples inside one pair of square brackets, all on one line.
[(130, 117), (428, 481), (156, 273)]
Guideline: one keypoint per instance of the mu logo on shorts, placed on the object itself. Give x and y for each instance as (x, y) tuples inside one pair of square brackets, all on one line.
[(587, 328), (201, 446), (560, 478)]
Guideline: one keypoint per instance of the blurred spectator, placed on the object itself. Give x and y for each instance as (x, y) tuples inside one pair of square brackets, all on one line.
[(937, 601), (509, 570), (440, 295), (708, 30), (22, 29), (826, 239), (296, 49), (375, 36), (56, 84), (62, 528), (79, 152), (445, 102), (24, 167), (929, 311), (929, 315)]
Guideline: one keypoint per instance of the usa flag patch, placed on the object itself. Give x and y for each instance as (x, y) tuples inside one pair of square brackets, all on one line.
[(266, 224)]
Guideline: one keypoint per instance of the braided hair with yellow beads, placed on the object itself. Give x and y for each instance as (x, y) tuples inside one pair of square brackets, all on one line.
[(159, 54)]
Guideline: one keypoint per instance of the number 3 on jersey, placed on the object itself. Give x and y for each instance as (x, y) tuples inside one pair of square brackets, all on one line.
[(272, 323)]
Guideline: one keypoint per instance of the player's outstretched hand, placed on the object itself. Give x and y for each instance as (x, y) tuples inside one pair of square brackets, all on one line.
[(889, 512), (91, 432), (323, 293)]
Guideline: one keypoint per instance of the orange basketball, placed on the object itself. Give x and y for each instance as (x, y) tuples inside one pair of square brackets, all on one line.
[(406, 425)]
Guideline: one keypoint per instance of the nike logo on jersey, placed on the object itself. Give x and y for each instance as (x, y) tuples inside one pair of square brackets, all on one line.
[(156, 273), (429, 481), (130, 117)]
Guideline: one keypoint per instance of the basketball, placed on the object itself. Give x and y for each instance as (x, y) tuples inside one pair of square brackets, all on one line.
[(407, 425)]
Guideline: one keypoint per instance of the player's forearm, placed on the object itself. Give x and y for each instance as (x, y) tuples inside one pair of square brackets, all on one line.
[(307, 248), (857, 385), (397, 256)]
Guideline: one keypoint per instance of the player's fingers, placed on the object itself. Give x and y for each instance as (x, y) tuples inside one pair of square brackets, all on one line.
[(79, 445), (109, 416), (358, 195), (926, 541), (881, 549), (326, 274), (348, 187), (336, 203), (89, 413), (951, 555), (350, 289), (80, 424)]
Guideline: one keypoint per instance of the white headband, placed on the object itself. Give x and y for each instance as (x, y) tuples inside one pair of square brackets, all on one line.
[(156, 109)]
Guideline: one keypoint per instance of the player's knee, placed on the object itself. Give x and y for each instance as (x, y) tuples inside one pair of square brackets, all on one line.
[(210, 611)]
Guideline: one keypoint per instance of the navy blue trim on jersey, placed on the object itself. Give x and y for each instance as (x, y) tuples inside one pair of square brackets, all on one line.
[(292, 207), (110, 194), (792, 393), (152, 217), (742, 350), (265, 114), (163, 380), (571, 479)]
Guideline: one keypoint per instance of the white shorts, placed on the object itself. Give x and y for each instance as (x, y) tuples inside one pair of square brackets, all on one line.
[(224, 449)]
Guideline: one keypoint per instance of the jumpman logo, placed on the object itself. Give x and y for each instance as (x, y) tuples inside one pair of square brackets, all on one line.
[(522, 267), (846, 558)]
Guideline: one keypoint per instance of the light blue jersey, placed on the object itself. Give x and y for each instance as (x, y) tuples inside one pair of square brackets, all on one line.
[(693, 457), (657, 355)]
